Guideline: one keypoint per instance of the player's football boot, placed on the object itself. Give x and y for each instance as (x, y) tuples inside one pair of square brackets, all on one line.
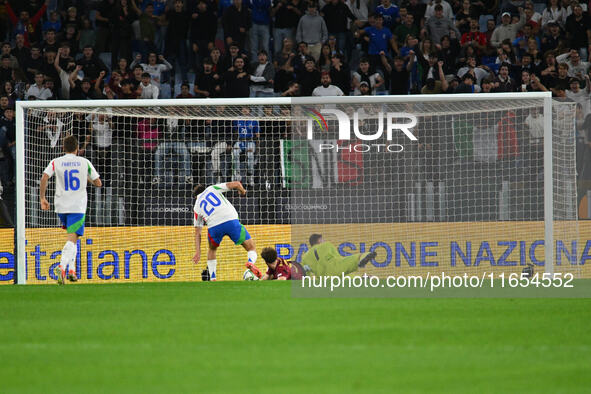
[(254, 269), (370, 256), (72, 276), (61, 276)]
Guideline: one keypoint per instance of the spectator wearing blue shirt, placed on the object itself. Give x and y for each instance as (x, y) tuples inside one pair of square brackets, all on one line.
[(521, 42), (53, 22), (390, 12), (380, 39), (410, 52), (224, 4), (259, 31), (248, 134)]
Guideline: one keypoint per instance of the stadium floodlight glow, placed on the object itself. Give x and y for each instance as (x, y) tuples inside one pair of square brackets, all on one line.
[(431, 168)]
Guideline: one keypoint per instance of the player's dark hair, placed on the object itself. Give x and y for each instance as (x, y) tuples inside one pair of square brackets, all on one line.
[(70, 144), (314, 238), (269, 255), (197, 190)]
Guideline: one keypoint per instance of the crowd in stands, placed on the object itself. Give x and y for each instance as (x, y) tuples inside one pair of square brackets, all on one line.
[(125, 49), (149, 49)]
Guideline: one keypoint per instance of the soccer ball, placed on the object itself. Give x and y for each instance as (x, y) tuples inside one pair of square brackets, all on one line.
[(248, 275)]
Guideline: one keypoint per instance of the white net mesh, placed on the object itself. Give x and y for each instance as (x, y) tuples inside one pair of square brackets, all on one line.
[(139, 224), (467, 196)]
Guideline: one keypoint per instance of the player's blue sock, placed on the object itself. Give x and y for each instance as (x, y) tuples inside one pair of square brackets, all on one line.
[(211, 266)]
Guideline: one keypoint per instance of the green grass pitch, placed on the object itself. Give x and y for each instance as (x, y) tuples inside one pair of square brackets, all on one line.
[(253, 337)]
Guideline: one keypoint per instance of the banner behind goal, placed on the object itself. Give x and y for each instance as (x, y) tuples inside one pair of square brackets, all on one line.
[(467, 190)]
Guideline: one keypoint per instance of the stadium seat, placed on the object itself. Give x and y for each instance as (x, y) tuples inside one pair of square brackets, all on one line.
[(106, 58), (165, 91), (191, 78), (92, 18)]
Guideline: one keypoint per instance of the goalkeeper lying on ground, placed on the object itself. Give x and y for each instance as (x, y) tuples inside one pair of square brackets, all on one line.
[(323, 258)]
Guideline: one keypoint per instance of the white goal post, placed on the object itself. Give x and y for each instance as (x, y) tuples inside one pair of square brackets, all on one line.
[(430, 199)]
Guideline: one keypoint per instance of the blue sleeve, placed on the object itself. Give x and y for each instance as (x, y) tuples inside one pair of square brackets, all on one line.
[(388, 33), (255, 127)]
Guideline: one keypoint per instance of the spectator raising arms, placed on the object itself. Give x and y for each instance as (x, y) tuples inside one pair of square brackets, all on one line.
[(507, 30), (24, 24), (540, 51), (399, 73), (153, 68)]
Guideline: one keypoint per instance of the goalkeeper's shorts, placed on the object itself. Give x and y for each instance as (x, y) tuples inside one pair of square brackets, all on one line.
[(232, 228)]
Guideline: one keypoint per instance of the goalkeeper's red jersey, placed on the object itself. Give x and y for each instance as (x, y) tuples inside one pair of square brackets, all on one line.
[(282, 270)]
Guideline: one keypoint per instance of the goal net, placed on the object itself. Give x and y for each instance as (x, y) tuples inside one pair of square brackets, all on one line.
[(467, 195), (455, 184)]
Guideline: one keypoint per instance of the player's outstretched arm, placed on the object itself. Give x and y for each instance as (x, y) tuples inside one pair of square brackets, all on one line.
[(197, 255), (42, 190), (236, 185)]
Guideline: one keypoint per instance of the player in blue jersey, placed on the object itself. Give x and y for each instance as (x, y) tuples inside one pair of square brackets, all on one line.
[(72, 173), (213, 209), (248, 135)]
